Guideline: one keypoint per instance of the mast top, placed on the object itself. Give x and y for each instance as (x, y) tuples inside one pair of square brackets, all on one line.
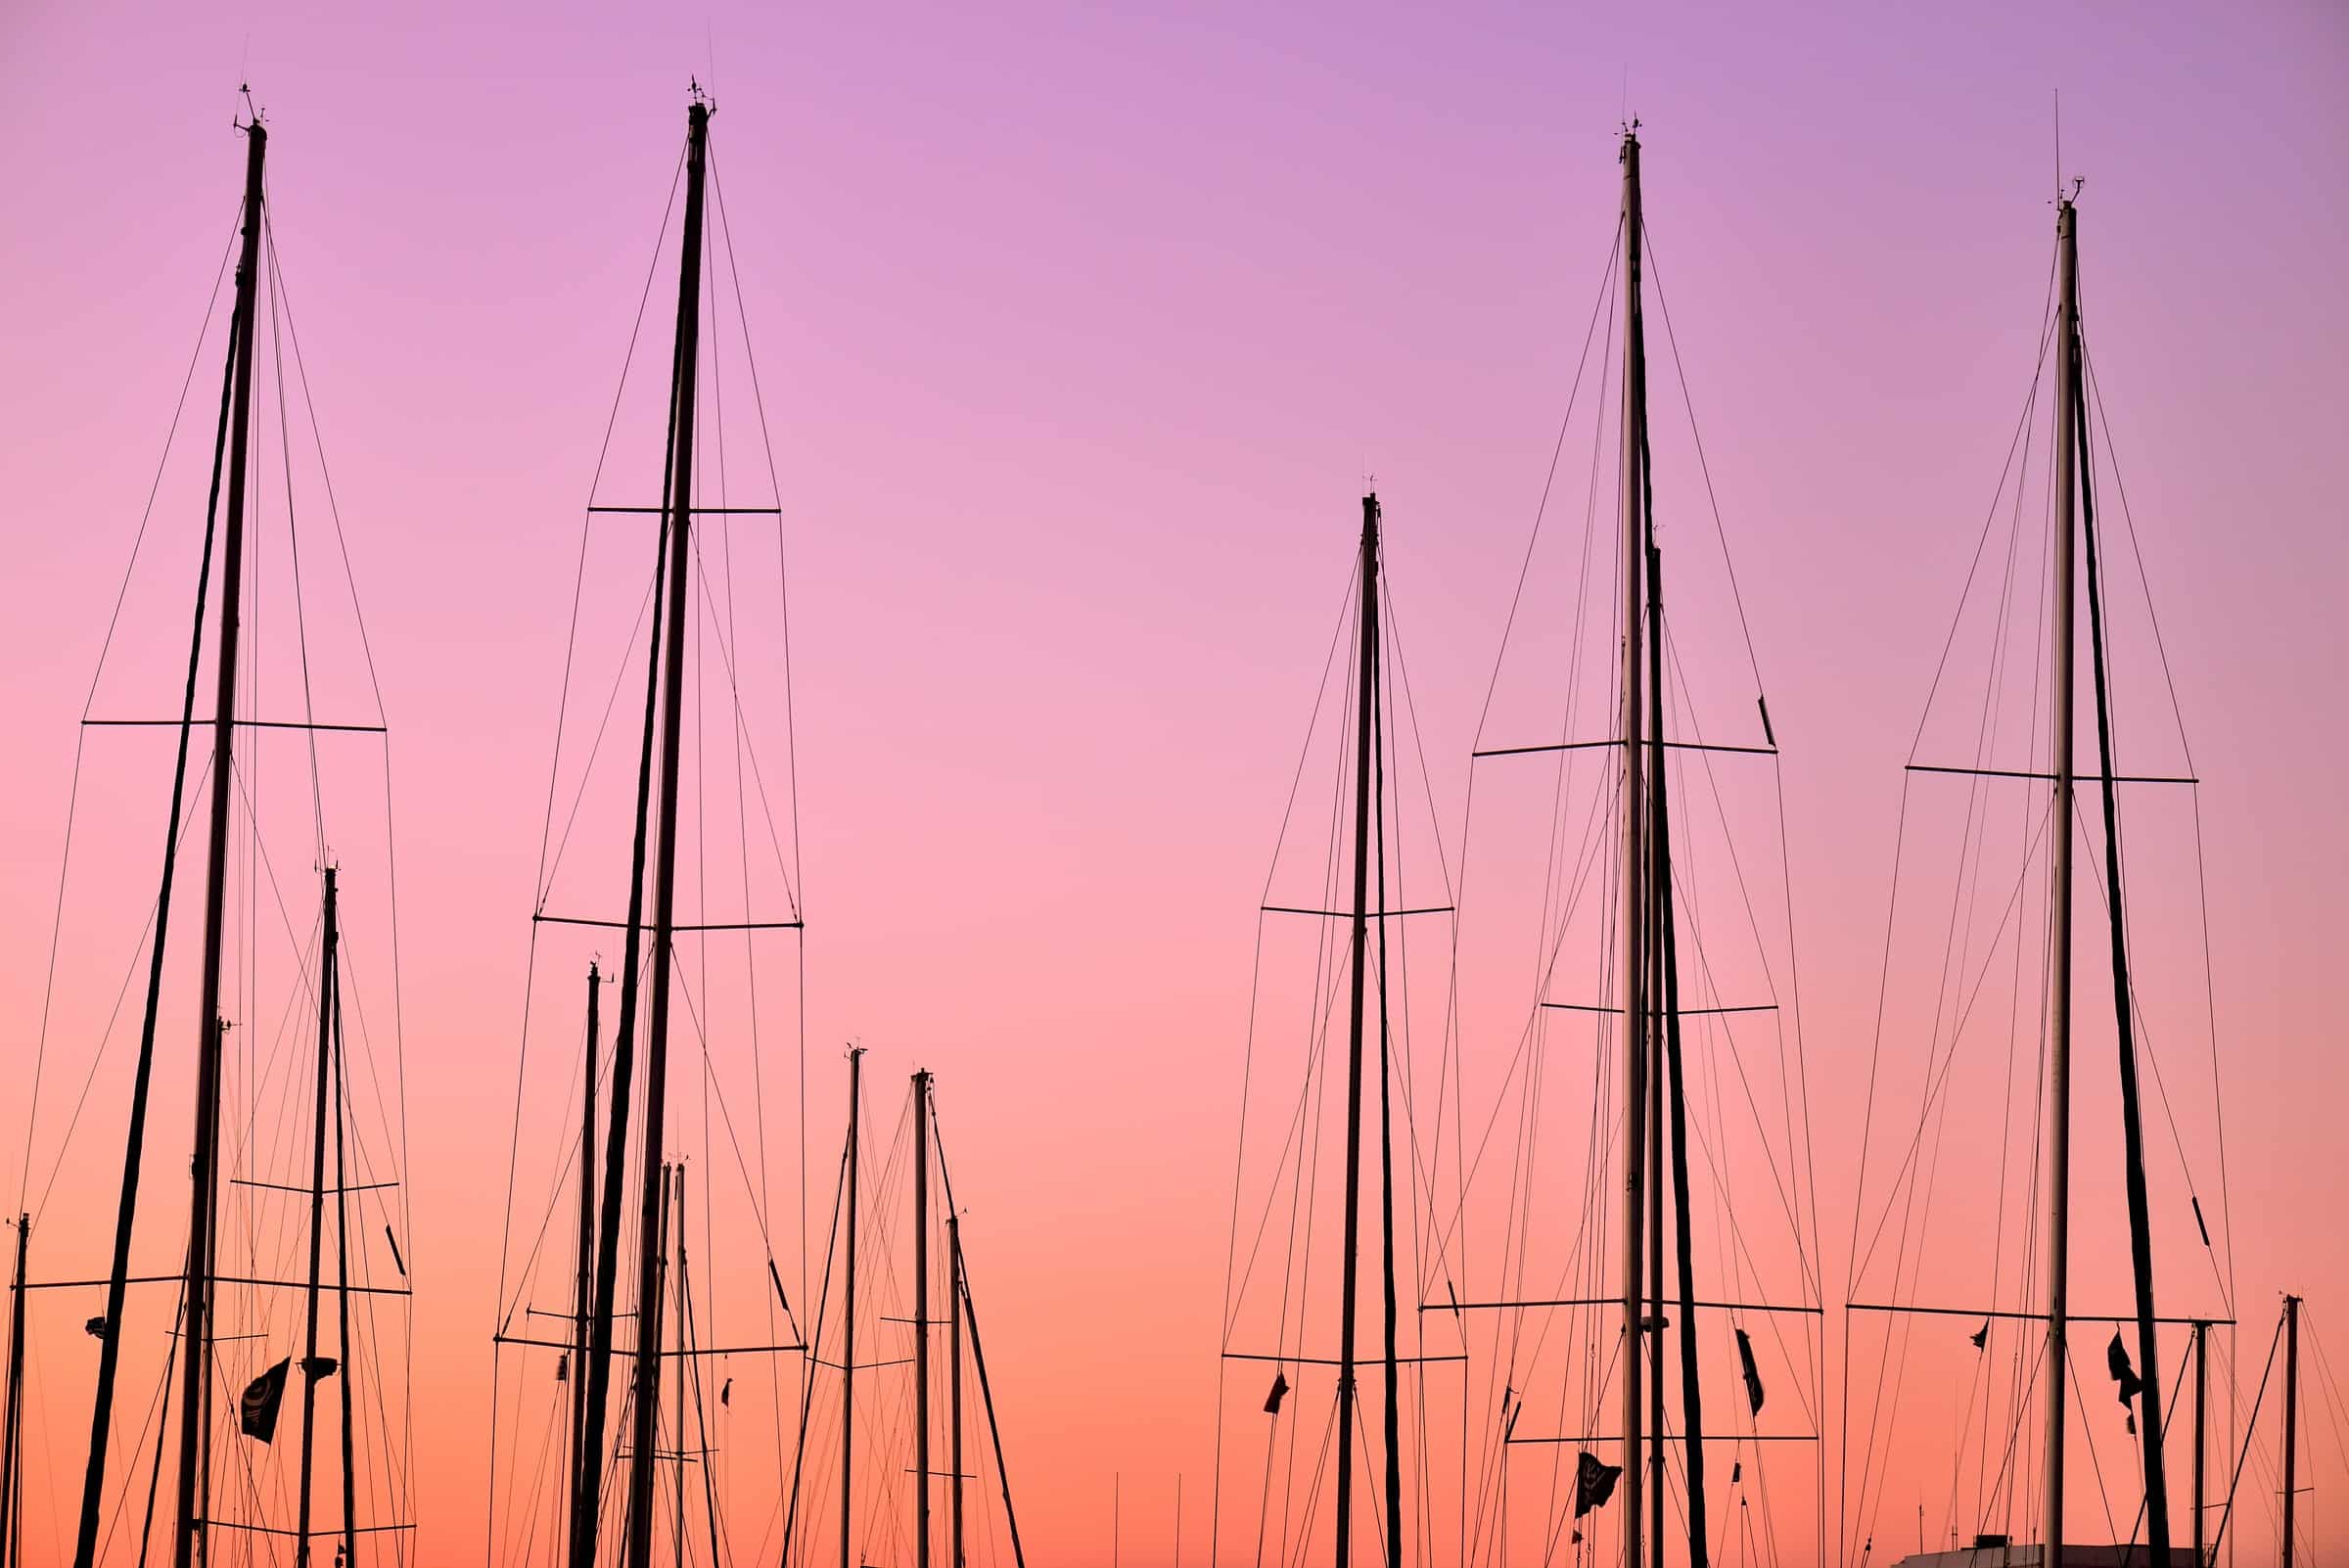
[(251, 124), (700, 106)]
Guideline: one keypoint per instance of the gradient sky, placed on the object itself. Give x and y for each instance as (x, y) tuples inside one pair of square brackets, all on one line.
[(1081, 332)]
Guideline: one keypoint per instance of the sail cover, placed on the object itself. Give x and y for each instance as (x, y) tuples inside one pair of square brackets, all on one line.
[(1753, 1378)]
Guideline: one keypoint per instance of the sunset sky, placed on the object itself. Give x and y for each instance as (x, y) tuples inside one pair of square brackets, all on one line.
[(1081, 331)]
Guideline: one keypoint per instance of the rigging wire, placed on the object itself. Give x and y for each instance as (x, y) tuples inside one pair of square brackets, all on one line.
[(90, 699)]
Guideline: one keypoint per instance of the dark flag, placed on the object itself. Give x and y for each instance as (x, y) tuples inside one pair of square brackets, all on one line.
[(1753, 1378), (563, 1367), (317, 1366), (1981, 1336), (725, 1395), (1594, 1482), (257, 1411), (95, 1327), (1280, 1390), (2116, 1362)]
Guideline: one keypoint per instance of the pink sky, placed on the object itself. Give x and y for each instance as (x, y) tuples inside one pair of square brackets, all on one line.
[(1080, 334)]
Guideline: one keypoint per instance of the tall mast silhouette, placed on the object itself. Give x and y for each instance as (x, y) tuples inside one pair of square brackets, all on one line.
[(11, 1414), (196, 1310), (1364, 764), (2075, 528), (583, 1293), (328, 1108), (647, 1383), (656, 836), (2060, 875), (921, 1320), (848, 1318), (2291, 1427), (954, 1379), (1631, 913)]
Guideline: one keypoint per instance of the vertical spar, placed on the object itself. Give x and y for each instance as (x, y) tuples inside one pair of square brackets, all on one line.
[(848, 1322), (343, 1406), (1632, 810), (987, 1401), (1366, 709), (921, 1321), (647, 1381), (1652, 1343), (2202, 1432), (584, 1296), (312, 1369), (1672, 1091), (12, 1423), (687, 1358), (2133, 1130), (587, 1463), (196, 1353), (684, 1342), (2291, 1423), (2059, 877), (1393, 1389), (954, 1382)]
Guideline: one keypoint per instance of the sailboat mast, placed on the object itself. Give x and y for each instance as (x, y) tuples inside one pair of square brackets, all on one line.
[(1652, 1344), (685, 379), (587, 1463), (701, 1411), (2133, 1127), (1632, 911), (847, 1322), (583, 1297), (2056, 1375), (12, 1422), (994, 1432), (1674, 1096), (350, 1372), (1366, 708), (312, 1370), (1392, 1387), (2291, 1424), (2201, 1434), (921, 1321), (954, 1379), (195, 1325), (677, 1202)]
